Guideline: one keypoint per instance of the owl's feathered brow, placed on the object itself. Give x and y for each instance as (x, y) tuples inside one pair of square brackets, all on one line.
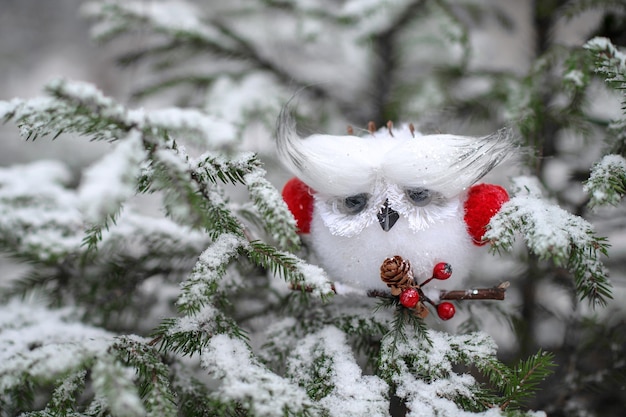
[(347, 165)]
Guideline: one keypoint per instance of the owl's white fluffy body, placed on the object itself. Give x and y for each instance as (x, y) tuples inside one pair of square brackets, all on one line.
[(355, 260), (385, 166)]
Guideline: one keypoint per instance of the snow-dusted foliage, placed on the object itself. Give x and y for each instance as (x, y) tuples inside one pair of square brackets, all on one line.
[(607, 182), (323, 364), (553, 233), (167, 277)]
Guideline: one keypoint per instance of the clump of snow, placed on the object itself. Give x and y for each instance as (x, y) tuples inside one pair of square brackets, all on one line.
[(576, 77), (87, 93), (315, 278), (235, 100), (607, 182), (115, 383), (548, 229), (278, 219), (38, 214), (44, 344), (601, 44), (214, 131), (202, 321), (142, 235), (433, 394), (327, 355), (209, 269), (111, 181), (245, 380)]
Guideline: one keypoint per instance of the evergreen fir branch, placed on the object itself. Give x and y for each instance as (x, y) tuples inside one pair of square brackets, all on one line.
[(76, 107), (122, 17), (610, 63), (526, 377), (115, 384), (273, 212), (190, 334), (245, 381), (404, 322), (424, 374), (194, 397), (93, 234), (155, 390), (607, 183), (64, 397), (205, 206), (211, 167), (324, 365), (202, 284), (291, 268), (196, 35), (40, 347), (365, 329), (553, 234), (18, 398)]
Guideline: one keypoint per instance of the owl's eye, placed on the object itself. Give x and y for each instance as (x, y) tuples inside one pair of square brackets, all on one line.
[(355, 203), (419, 196)]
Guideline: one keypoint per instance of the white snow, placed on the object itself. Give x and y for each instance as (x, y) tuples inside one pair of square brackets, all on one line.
[(315, 278), (115, 383), (44, 343), (605, 44), (108, 183), (200, 321), (547, 228), (610, 167), (209, 268), (244, 379), (235, 99), (351, 392), (214, 131), (433, 395), (169, 16), (48, 221), (576, 77)]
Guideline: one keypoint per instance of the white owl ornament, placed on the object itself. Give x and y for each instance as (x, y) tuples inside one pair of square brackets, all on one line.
[(358, 201)]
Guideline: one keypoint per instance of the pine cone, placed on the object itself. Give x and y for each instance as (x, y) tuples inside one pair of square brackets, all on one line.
[(397, 274)]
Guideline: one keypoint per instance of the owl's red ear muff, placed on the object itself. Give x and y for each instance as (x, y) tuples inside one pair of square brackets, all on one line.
[(299, 199), (483, 202)]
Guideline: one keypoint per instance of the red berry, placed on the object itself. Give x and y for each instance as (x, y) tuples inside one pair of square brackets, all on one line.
[(409, 297), (442, 270), (446, 310)]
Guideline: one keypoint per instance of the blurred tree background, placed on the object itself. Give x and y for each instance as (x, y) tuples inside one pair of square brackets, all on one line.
[(464, 67)]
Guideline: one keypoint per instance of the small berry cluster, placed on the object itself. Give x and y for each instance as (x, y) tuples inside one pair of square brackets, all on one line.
[(412, 296)]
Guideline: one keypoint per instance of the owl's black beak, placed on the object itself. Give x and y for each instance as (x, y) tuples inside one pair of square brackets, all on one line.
[(387, 216)]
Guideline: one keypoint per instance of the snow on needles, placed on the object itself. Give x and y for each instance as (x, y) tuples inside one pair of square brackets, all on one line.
[(547, 228), (37, 212), (44, 343), (607, 182), (111, 181), (434, 393), (345, 391), (245, 380)]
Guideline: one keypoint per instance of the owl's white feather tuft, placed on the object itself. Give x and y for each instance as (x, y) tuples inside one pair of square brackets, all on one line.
[(344, 165)]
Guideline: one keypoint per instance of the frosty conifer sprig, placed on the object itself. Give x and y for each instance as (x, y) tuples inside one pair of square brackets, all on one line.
[(409, 357), (610, 64), (552, 233), (607, 183)]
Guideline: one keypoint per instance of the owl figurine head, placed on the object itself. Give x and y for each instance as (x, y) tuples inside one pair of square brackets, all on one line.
[(358, 200)]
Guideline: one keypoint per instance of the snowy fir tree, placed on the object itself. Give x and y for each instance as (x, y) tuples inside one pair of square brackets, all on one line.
[(170, 278)]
